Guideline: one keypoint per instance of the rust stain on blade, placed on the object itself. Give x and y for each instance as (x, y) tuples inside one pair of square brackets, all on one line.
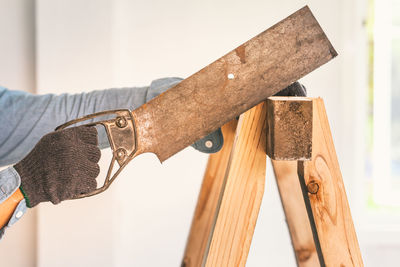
[(241, 53), (232, 84)]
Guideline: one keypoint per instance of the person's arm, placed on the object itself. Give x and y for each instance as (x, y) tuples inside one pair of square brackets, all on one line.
[(25, 118)]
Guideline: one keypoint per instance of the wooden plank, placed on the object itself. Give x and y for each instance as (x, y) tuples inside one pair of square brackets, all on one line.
[(243, 190), (325, 196), (7, 208), (296, 213), (207, 203), (289, 122)]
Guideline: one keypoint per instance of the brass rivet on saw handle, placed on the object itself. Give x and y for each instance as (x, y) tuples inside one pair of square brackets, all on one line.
[(120, 153), (121, 122)]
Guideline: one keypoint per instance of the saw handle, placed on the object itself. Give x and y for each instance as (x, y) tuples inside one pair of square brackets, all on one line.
[(121, 133)]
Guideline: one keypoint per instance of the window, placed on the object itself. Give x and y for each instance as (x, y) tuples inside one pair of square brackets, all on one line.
[(385, 101)]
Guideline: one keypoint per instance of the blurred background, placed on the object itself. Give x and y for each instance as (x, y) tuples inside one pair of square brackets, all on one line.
[(70, 46)]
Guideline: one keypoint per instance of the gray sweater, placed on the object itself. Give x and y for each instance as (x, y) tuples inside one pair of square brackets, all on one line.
[(25, 118)]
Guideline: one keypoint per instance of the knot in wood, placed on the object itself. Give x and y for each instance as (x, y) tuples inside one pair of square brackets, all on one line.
[(312, 187)]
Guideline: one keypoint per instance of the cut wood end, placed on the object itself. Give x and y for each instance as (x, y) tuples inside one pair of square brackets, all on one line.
[(289, 122)]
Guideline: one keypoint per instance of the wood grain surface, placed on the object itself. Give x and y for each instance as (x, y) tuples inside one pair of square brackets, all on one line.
[(231, 195), (296, 213), (206, 209), (325, 196), (243, 190)]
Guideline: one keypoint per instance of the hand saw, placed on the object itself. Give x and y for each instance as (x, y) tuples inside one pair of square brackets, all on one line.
[(216, 94)]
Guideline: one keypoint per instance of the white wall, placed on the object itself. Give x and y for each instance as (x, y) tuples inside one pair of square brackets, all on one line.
[(144, 219), (17, 71), (74, 54), (17, 46)]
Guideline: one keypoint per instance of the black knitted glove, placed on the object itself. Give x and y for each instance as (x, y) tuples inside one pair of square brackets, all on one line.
[(62, 165)]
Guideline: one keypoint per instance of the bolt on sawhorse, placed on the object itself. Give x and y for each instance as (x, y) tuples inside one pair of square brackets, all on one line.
[(295, 133)]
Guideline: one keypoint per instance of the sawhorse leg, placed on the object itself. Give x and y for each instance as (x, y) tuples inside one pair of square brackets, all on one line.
[(231, 194), (296, 213), (312, 192), (325, 218)]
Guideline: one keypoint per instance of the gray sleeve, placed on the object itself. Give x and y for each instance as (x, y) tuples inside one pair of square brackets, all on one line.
[(25, 118)]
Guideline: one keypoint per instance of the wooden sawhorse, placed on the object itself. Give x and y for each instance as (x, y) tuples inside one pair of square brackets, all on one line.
[(309, 181)]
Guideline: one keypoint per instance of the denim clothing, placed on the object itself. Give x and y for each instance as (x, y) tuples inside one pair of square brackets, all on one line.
[(9, 183)]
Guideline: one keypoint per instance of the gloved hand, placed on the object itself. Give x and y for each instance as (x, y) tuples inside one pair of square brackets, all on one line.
[(62, 165)]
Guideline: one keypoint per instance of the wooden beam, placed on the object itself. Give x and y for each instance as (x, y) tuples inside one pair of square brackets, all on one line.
[(243, 190), (289, 122), (325, 197), (296, 213), (289, 139), (206, 209)]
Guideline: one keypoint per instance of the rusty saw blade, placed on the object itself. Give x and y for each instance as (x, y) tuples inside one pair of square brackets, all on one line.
[(232, 84), (218, 93)]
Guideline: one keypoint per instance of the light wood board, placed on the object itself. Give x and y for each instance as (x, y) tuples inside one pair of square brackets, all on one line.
[(296, 213), (231, 194), (207, 203), (242, 194), (329, 211)]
